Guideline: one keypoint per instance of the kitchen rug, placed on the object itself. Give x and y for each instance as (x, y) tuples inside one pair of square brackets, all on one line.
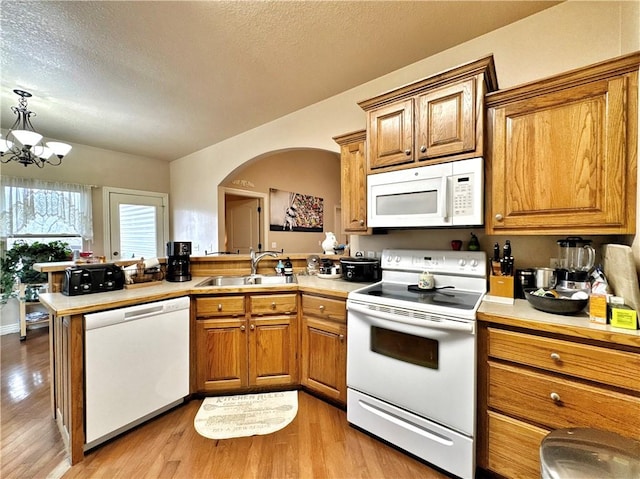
[(225, 417)]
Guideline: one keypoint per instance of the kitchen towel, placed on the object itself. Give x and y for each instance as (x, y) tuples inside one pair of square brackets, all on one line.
[(225, 417)]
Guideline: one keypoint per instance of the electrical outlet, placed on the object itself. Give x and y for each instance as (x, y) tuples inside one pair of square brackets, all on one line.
[(274, 245), (371, 254)]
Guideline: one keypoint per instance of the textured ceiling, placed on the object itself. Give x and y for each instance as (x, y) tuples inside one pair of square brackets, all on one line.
[(164, 79)]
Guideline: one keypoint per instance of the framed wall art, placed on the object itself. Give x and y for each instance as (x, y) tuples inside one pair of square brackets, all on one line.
[(295, 212)]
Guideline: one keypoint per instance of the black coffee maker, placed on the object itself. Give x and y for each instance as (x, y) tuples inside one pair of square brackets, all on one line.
[(178, 262)]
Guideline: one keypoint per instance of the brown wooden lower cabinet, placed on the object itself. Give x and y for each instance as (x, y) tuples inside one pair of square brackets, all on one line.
[(324, 347), (530, 383), (246, 342)]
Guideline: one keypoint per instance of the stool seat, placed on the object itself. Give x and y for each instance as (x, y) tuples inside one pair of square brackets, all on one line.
[(585, 453)]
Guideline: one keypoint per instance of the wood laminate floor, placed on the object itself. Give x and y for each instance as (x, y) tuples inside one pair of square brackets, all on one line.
[(319, 443)]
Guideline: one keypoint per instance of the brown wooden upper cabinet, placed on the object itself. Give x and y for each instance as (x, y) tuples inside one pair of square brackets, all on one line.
[(438, 118), (353, 182), (562, 153)]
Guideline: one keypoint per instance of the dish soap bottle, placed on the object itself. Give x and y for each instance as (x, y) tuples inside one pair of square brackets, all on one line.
[(280, 268), (288, 268)]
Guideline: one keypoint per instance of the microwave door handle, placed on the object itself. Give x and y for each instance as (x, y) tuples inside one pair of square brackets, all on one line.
[(443, 197)]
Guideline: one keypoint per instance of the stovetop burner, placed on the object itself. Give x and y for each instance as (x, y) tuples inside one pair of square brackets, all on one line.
[(443, 296)]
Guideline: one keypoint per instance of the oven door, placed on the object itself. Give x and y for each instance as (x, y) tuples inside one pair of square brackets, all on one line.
[(427, 367)]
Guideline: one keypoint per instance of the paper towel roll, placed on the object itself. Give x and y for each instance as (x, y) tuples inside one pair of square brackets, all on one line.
[(151, 263)]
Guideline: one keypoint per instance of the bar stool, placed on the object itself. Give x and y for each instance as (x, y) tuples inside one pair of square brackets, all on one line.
[(584, 453)]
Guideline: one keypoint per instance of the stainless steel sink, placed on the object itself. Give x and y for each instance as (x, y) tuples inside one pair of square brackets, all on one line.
[(249, 280)]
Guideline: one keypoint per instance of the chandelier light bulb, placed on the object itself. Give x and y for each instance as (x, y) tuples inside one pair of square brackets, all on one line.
[(59, 149), (27, 138)]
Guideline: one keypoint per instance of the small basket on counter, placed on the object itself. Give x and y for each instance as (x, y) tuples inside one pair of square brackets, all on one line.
[(137, 275)]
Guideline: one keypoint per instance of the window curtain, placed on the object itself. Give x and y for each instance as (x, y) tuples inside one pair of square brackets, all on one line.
[(32, 207)]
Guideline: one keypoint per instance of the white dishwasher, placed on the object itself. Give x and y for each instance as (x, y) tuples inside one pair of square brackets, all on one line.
[(136, 365)]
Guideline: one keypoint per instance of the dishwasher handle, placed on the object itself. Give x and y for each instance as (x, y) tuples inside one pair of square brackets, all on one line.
[(132, 313)]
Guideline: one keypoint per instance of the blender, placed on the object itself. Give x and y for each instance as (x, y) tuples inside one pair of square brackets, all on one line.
[(575, 260)]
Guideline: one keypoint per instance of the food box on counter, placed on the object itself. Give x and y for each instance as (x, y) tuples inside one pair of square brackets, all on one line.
[(598, 308), (623, 316)]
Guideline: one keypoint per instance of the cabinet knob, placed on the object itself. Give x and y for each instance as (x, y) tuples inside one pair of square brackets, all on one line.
[(341, 338), (273, 305), (555, 356), (219, 306), (252, 327), (322, 307), (555, 397), (499, 217), (243, 327), (407, 152), (361, 222), (423, 149)]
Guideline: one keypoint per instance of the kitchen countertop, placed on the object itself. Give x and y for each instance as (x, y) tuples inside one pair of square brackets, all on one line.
[(62, 305), (522, 314)]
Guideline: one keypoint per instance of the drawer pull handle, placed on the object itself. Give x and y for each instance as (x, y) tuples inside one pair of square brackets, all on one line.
[(219, 306), (273, 305), (555, 397), (555, 356), (322, 307)]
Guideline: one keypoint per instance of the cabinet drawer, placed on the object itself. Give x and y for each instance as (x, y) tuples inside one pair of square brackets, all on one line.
[(617, 368), (324, 308), (273, 304), (220, 306), (509, 439), (555, 402)]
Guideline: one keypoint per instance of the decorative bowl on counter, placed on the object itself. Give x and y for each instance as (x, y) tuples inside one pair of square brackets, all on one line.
[(555, 305)]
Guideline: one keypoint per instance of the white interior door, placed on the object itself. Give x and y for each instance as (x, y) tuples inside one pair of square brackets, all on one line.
[(137, 224), (243, 224)]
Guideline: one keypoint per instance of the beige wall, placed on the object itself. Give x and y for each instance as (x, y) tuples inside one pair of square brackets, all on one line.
[(309, 172), (94, 166), (570, 35)]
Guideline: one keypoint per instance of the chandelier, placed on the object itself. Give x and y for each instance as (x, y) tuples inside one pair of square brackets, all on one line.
[(28, 149)]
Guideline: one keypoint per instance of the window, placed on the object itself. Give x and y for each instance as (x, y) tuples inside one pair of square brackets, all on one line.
[(137, 223), (36, 210)]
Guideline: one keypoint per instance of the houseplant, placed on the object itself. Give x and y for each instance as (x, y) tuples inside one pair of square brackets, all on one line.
[(17, 263)]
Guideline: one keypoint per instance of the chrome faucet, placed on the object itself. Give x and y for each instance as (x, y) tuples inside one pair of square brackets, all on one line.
[(255, 259)]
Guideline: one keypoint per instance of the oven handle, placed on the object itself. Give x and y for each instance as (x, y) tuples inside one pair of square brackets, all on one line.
[(445, 324)]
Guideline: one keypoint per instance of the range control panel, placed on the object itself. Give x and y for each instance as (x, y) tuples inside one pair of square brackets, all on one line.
[(468, 263)]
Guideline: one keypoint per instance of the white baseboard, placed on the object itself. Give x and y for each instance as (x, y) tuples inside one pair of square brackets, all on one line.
[(9, 328)]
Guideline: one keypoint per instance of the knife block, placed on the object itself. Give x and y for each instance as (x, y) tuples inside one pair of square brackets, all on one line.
[(501, 286)]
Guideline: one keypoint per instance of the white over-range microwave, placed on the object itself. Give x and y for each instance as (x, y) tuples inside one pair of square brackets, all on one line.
[(444, 194)]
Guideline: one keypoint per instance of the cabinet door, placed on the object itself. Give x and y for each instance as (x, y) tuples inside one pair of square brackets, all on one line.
[(509, 439), (446, 121), (353, 188), (272, 351), (324, 357), (221, 354), (563, 162), (391, 135)]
